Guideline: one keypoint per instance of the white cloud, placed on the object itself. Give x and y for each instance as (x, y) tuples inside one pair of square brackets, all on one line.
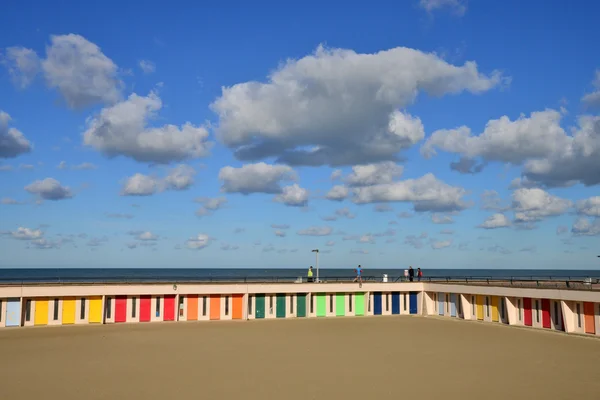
[(447, 232), (337, 193), (436, 245), (523, 183), (62, 165), (466, 166), (586, 227), (26, 233), (119, 216), (280, 233), (255, 178), (495, 221), (405, 214), (344, 212), (593, 99), (416, 241), (49, 189), (336, 174), (366, 239), (179, 178), (80, 71), (147, 236), (374, 174), (229, 247), (44, 243), (27, 167), (337, 107), (330, 243), (147, 66), (198, 242), (280, 226), (532, 205), (490, 200), (84, 166), (458, 7), (293, 195), (383, 208), (562, 229), (589, 207), (12, 141), (140, 185), (122, 130), (10, 201), (23, 65), (6, 168), (441, 219), (426, 194), (209, 205), (549, 155), (316, 231)]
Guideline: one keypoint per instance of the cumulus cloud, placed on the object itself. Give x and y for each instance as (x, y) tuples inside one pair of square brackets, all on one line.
[(79, 167), (447, 232), (97, 241), (586, 227), (280, 226), (23, 65), (336, 174), (441, 219), (292, 195), (549, 155), (467, 166), (229, 247), (12, 141), (523, 183), (146, 236), (49, 189), (491, 201), (179, 178), (426, 194), (330, 243), (198, 242), (337, 107), (416, 241), (383, 208), (458, 7), (562, 229), (279, 233), (26, 234), (10, 201), (147, 66), (498, 249), (79, 70), (440, 244), (344, 212), (122, 130), (531, 205), (316, 231), (337, 193), (405, 214), (209, 205), (593, 99), (589, 207), (374, 174), (255, 178), (496, 221)]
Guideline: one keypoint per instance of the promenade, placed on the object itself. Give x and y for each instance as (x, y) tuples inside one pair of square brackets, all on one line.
[(337, 358)]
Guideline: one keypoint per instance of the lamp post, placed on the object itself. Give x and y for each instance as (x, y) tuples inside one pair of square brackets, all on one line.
[(316, 251)]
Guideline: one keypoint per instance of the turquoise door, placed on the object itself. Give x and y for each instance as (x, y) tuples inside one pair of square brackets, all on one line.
[(13, 312)]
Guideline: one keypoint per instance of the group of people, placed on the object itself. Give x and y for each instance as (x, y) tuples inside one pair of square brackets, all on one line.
[(408, 274)]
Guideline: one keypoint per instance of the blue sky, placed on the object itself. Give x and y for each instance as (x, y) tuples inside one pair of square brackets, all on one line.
[(432, 133)]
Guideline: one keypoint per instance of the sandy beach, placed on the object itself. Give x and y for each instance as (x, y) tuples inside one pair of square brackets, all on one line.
[(333, 358)]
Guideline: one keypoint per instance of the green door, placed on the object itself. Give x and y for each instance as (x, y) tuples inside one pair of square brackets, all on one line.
[(321, 305), (359, 306), (340, 305), (301, 305), (280, 305), (260, 306)]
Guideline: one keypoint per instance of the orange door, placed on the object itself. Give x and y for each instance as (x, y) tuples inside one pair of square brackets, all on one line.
[(588, 311), (192, 307), (215, 306), (238, 306)]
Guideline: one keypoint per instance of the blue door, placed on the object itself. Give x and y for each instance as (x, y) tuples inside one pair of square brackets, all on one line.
[(395, 303), (13, 312), (441, 303), (413, 303), (453, 304), (377, 303)]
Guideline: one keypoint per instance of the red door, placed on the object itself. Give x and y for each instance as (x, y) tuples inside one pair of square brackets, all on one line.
[(121, 309), (144, 308), (169, 312), (546, 313), (527, 317)]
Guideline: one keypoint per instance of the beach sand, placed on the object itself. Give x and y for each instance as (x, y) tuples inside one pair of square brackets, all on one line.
[(367, 358)]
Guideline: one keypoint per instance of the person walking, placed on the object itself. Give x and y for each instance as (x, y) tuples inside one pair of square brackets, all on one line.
[(411, 274), (358, 278), (419, 274), (310, 275)]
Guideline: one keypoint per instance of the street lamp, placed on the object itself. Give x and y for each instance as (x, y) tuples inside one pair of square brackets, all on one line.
[(317, 255)]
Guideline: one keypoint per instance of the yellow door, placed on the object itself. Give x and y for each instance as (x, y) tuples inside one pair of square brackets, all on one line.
[(95, 310), (41, 312), (68, 315), (495, 301), (479, 307)]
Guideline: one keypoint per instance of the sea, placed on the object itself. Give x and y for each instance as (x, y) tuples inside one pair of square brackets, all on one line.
[(99, 275)]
